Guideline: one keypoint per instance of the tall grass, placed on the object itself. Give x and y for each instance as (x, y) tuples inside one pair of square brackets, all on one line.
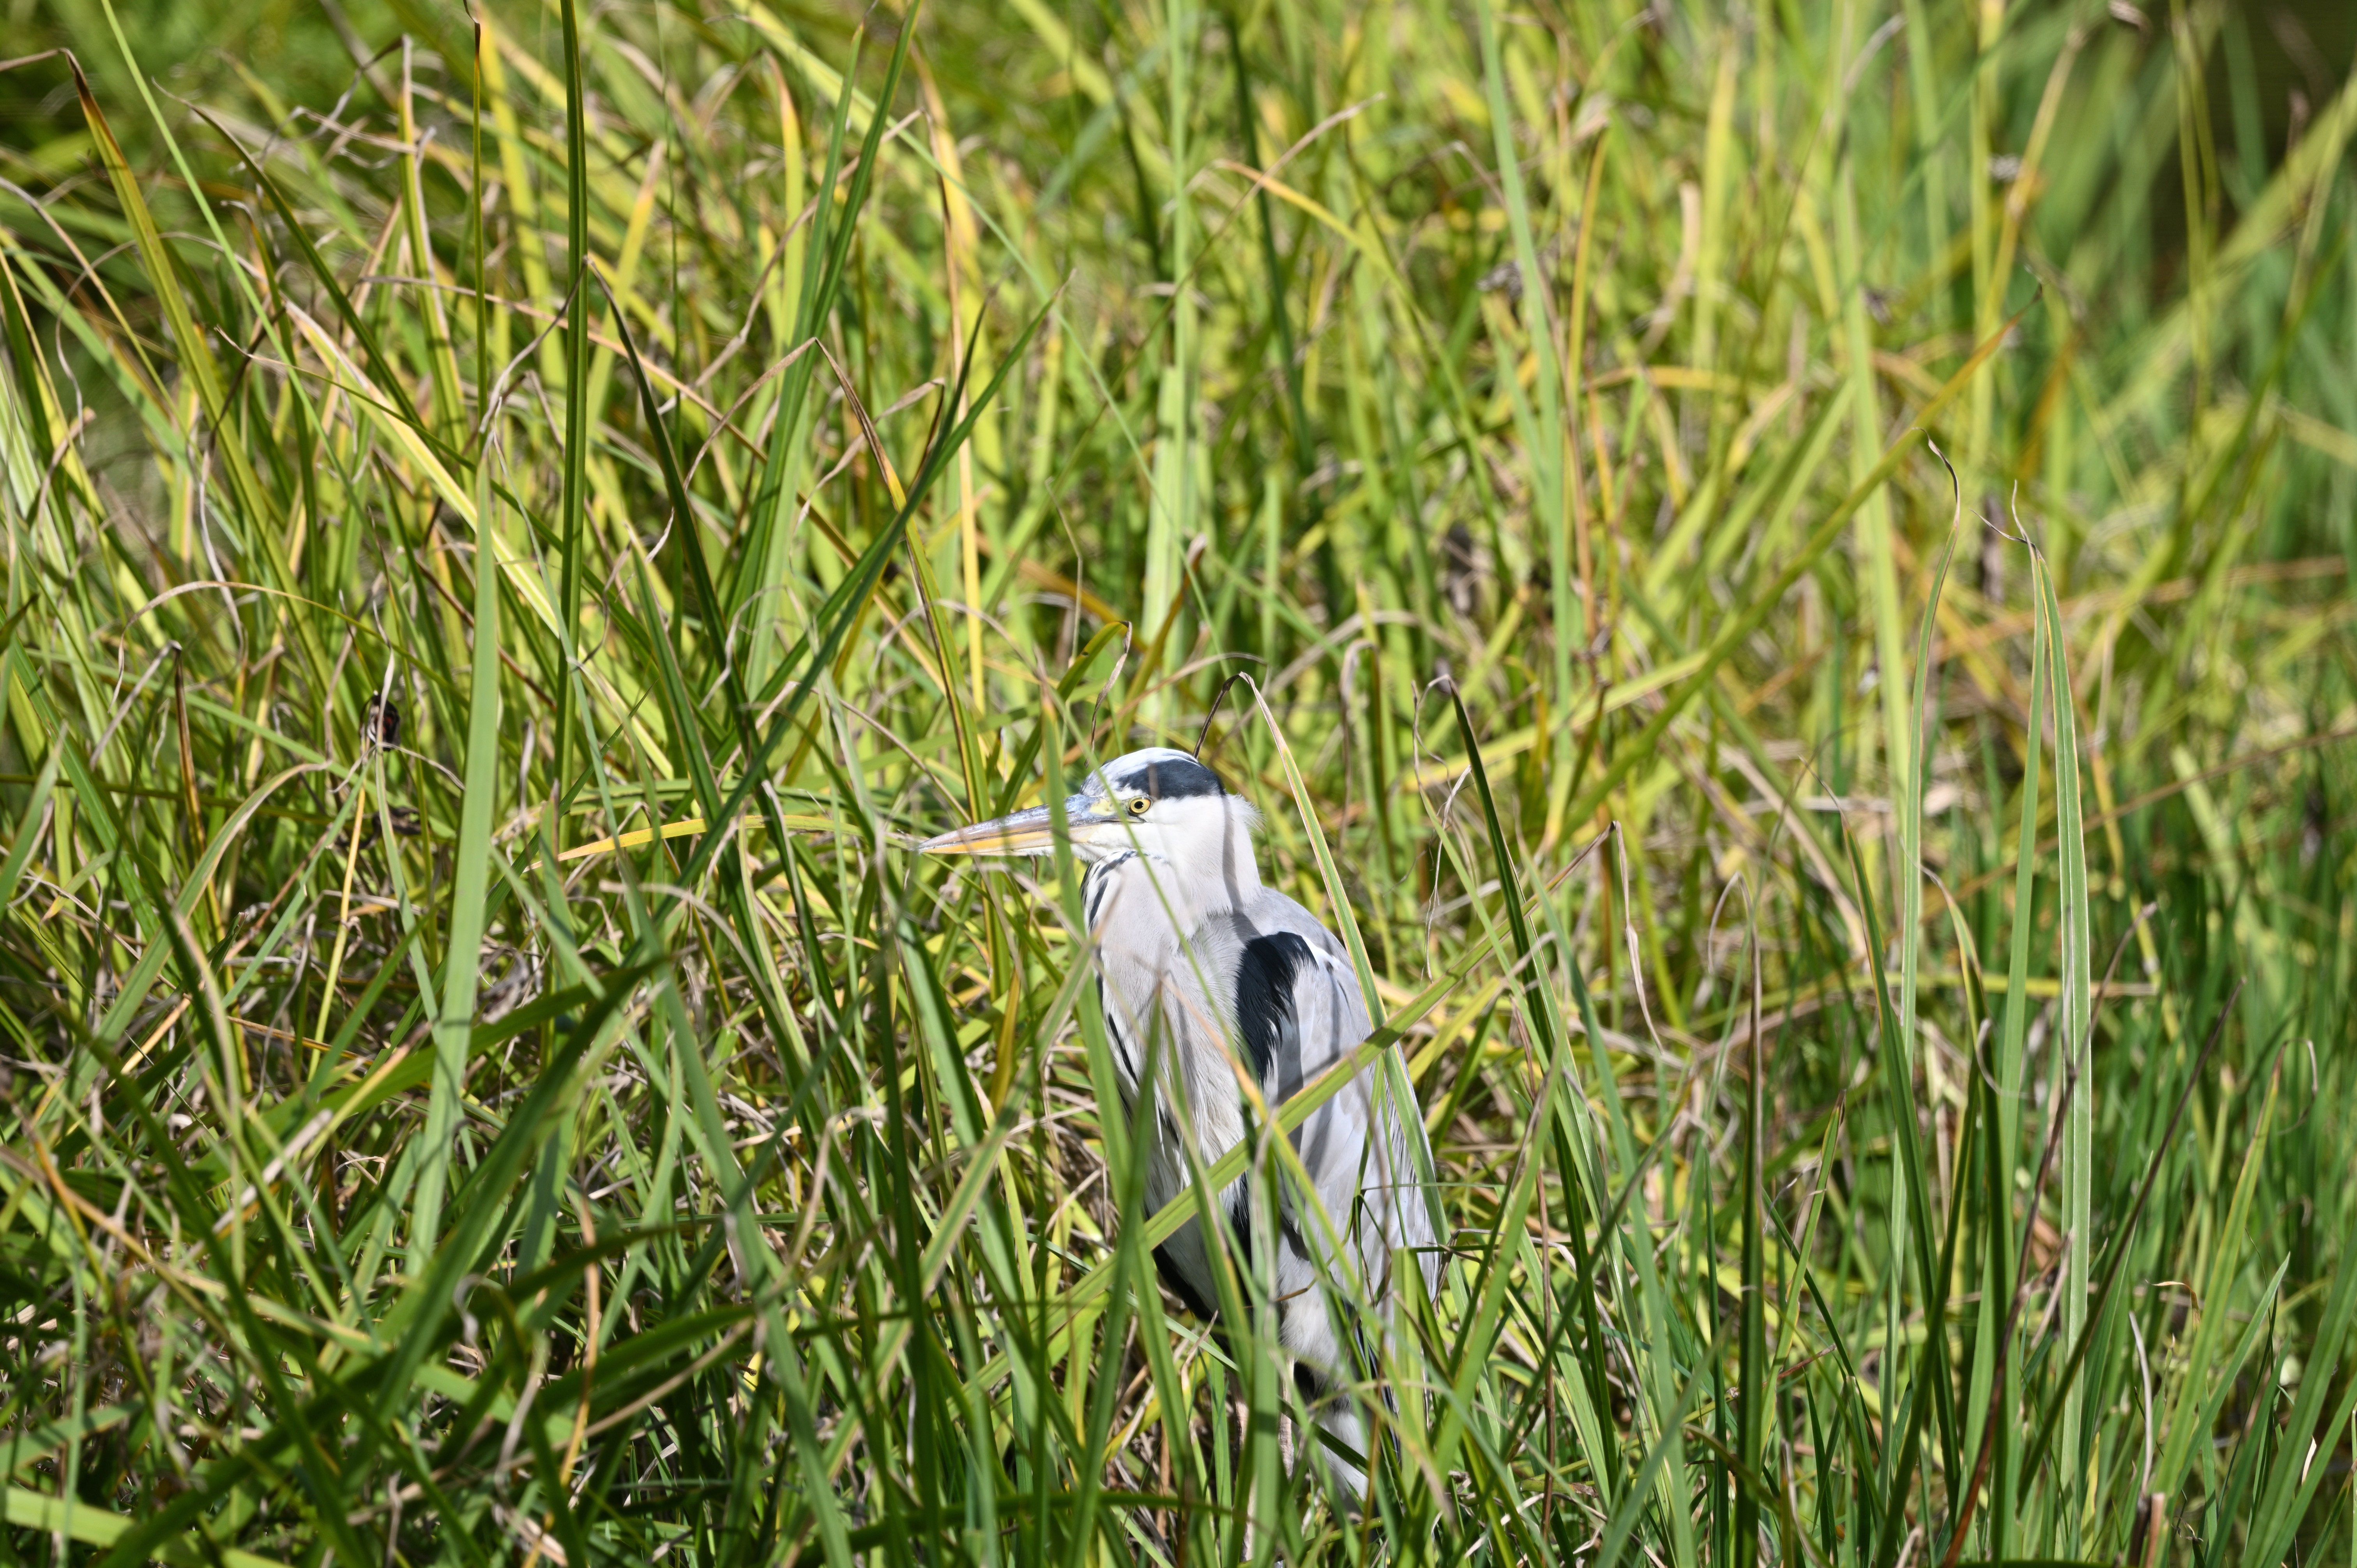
[(1793, 566)]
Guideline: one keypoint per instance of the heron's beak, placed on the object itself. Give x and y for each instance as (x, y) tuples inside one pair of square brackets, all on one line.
[(1021, 832)]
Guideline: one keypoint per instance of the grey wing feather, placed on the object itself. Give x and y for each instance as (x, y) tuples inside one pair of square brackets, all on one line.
[(1363, 1153)]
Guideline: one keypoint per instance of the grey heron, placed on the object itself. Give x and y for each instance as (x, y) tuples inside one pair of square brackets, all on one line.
[(1203, 969)]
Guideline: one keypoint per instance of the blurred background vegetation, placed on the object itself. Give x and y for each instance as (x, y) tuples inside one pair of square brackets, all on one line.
[(1793, 560)]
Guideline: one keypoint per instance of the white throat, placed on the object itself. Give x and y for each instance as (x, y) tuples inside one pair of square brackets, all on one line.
[(1187, 861)]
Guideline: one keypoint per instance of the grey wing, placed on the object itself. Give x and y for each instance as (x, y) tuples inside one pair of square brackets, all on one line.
[(1299, 1012)]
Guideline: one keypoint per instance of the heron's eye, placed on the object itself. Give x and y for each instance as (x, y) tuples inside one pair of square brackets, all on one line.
[(1137, 808)]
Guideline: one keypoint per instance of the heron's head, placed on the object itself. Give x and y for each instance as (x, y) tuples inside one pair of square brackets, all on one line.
[(1159, 802)]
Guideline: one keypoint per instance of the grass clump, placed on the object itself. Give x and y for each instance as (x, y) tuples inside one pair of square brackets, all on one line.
[(1793, 562)]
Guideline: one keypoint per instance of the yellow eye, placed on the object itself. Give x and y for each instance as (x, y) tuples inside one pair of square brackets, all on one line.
[(1137, 808)]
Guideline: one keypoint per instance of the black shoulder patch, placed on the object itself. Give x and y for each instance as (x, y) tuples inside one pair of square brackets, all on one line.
[(1265, 978), (1171, 779), (1180, 1286)]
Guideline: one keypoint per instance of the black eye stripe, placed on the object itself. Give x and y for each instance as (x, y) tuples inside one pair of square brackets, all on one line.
[(1171, 779)]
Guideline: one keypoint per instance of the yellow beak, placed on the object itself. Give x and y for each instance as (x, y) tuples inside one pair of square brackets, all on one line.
[(1020, 833)]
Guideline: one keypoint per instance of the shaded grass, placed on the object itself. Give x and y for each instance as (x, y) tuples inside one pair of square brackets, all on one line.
[(576, 509)]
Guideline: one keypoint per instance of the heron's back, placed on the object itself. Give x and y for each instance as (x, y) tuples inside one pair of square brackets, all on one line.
[(1268, 991)]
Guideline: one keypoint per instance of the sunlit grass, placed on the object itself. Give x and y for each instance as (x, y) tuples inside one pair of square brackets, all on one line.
[(578, 506)]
